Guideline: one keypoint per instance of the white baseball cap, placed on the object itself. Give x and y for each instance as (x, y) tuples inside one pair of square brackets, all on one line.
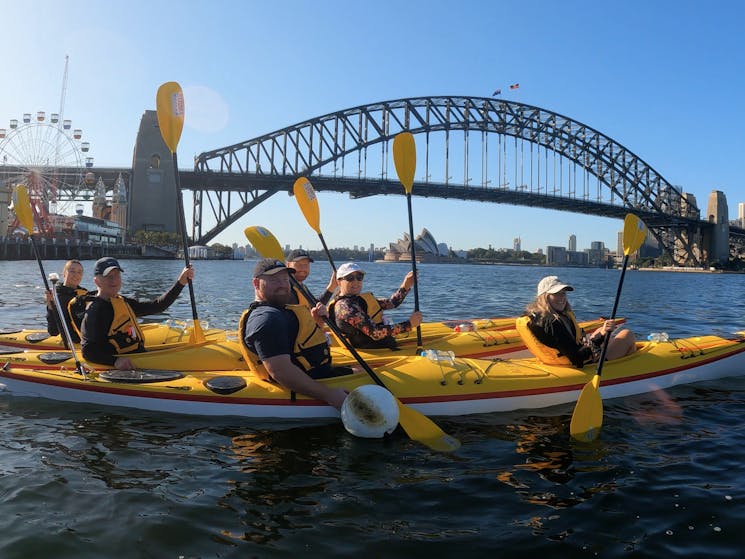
[(552, 284), (347, 268)]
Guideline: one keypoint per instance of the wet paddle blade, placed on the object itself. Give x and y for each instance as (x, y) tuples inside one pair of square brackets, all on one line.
[(306, 199), (422, 429), (169, 104), (634, 233), (404, 158), (587, 418), (264, 242), (197, 334), (21, 206)]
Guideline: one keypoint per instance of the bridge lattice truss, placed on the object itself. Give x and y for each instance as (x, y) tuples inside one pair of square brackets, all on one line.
[(537, 158)]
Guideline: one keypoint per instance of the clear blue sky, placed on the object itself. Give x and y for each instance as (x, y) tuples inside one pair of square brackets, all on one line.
[(663, 78)]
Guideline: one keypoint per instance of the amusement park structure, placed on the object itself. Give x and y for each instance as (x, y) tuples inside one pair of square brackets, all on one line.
[(48, 155)]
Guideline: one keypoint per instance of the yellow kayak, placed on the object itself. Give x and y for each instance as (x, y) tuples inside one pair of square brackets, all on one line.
[(223, 352), (437, 388)]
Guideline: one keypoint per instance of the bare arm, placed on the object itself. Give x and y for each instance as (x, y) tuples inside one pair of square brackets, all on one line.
[(285, 372)]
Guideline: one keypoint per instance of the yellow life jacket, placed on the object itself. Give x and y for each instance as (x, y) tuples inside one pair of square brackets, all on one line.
[(302, 299), (309, 339), (76, 309), (545, 354), (125, 333)]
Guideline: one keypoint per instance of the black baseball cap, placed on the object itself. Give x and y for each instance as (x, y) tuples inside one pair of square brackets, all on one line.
[(298, 254), (270, 266), (105, 265)]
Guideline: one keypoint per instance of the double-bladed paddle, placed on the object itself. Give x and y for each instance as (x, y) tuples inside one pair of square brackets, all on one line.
[(417, 425), (404, 159), (170, 108), (21, 206), (587, 418), (305, 195)]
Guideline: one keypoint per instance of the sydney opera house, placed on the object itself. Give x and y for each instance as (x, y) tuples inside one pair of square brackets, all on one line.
[(426, 249)]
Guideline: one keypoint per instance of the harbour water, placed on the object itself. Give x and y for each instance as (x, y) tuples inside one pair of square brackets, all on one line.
[(665, 478)]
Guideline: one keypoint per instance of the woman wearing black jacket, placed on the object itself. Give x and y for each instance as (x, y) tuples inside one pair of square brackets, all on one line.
[(553, 323)]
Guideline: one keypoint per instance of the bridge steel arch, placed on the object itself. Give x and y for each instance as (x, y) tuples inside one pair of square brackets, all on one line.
[(335, 149)]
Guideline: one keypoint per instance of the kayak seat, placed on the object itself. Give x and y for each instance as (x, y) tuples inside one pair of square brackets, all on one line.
[(545, 354)]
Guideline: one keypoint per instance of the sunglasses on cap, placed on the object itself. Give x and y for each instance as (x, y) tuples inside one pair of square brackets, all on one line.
[(354, 277)]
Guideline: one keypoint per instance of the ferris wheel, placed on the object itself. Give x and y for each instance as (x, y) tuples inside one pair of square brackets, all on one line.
[(50, 158)]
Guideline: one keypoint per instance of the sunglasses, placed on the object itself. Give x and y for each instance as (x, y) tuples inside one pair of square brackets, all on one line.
[(354, 277)]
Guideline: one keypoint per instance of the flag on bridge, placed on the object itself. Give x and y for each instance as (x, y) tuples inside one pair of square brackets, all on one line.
[(515, 86), (496, 92)]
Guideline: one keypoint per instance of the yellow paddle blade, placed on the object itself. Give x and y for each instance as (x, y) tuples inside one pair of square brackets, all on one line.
[(404, 158), (634, 233), (21, 206), (422, 429), (587, 418), (306, 199), (197, 334), (264, 242), (169, 103)]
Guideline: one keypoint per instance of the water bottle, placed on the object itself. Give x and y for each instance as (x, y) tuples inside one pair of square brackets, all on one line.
[(658, 337), (436, 355), (465, 327)]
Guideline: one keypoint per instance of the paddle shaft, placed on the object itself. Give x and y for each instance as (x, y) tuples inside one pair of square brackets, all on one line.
[(184, 238), (606, 338), (66, 330), (413, 267), (335, 329), (59, 319), (328, 254)]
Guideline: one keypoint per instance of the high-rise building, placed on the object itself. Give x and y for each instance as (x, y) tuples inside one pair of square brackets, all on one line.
[(556, 256), (516, 244), (741, 213), (572, 246)]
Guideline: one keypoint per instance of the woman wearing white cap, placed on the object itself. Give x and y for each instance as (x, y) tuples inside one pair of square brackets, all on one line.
[(553, 323), (360, 314)]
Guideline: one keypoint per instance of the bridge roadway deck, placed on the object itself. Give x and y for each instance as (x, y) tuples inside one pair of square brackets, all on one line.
[(360, 188)]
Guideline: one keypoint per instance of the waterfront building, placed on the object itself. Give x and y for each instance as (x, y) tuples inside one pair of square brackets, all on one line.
[(572, 245), (741, 213), (577, 258), (556, 256)]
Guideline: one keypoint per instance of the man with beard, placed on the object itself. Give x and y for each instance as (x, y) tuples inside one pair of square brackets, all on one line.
[(284, 342)]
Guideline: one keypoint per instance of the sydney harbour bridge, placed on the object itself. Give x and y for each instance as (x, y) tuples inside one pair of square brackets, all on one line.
[(468, 148)]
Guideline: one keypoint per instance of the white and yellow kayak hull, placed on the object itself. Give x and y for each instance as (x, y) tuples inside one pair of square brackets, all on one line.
[(467, 386)]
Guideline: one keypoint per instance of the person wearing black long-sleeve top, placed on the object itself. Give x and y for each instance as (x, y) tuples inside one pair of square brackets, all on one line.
[(110, 326), (67, 290), (553, 323)]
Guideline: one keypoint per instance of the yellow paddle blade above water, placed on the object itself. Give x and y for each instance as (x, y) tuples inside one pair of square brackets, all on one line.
[(404, 158), (264, 242), (634, 233), (169, 103), (305, 195), (21, 206)]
